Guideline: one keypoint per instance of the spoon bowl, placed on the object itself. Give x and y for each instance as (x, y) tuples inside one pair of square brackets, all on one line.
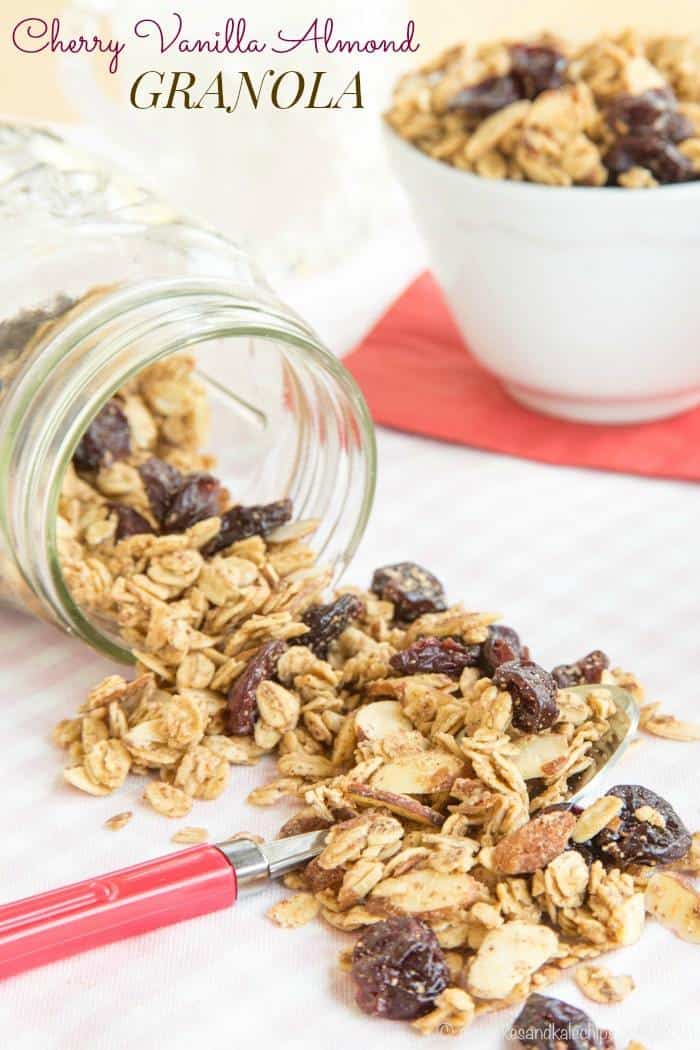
[(611, 747)]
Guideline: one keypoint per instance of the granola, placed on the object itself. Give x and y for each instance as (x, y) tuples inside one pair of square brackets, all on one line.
[(118, 821), (438, 755), (601, 985), (616, 111)]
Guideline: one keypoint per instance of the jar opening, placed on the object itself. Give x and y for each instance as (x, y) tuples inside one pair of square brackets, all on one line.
[(286, 421)]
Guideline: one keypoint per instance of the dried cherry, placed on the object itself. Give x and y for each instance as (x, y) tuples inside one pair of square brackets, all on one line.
[(129, 521), (649, 150), (327, 622), (398, 968), (161, 481), (106, 439), (487, 97), (412, 590), (436, 656), (196, 499), (534, 69), (551, 1024), (502, 646), (627, 840), (653, 111), (241, 699), (533, 692), (586, 671), (537, 68), (239, 523)]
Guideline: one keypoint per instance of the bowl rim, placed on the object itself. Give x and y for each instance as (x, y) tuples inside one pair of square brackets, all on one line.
[(673, 191)]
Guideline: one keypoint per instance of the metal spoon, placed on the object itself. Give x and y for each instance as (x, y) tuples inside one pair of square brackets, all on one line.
[(611, 747)]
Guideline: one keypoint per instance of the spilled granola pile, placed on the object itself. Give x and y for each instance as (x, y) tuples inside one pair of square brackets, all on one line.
[(421, 734), (618, 111)]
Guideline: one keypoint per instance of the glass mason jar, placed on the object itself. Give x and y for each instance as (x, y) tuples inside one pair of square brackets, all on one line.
[(100, 280)]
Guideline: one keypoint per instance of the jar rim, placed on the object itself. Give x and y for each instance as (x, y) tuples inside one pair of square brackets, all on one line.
[(204, 309)]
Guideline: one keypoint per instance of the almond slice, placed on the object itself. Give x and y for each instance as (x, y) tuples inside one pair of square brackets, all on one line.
[(538, 750), (671, 728), (402, 805), (422, 773), (596, 817), (507, 956), (425, 892), (380, 719), (676, 904)]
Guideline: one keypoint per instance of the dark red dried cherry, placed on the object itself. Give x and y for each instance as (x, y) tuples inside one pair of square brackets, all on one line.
[(653, 111), (162, 482), (502, 646), (436, 656), (627, 840), (533, 692), (242, 701), (492, 94), (398, 968), (105, 440), (196, 499), (129, 521), (551, 1024), (239, 523), (327, 622), (537, 68), (586, 671), (411, 589), (650, 150)]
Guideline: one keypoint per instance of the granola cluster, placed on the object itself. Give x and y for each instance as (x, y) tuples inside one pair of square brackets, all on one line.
[(618, 111), (421, 734)]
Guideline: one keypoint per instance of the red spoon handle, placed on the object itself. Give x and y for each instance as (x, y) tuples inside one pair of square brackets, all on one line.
[(63, 922)]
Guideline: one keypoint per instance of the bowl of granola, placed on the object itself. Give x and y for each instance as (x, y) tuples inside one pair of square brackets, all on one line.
[(519, 160)]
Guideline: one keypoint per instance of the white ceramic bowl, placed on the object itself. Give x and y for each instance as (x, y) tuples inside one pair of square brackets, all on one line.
[(584, 302)]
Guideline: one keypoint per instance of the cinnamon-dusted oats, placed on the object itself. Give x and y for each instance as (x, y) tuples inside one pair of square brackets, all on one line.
[(190, 836), (202, 773), (108, 762), (617, 111), (601, 985), (676, 903), (168, 800), (653, 721), (294, 911), (118, 821)]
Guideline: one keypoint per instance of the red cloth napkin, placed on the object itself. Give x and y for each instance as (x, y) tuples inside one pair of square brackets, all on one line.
[(418, 376)]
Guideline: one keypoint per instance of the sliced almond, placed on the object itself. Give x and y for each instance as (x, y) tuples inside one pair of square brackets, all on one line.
[(671, 728), (535, 844), (676, 904), (507, 956), (422, 773), (596, 817), (402, 805), (536, 751), (627, 921), (427, 893), (294, 911), (380, 719)]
